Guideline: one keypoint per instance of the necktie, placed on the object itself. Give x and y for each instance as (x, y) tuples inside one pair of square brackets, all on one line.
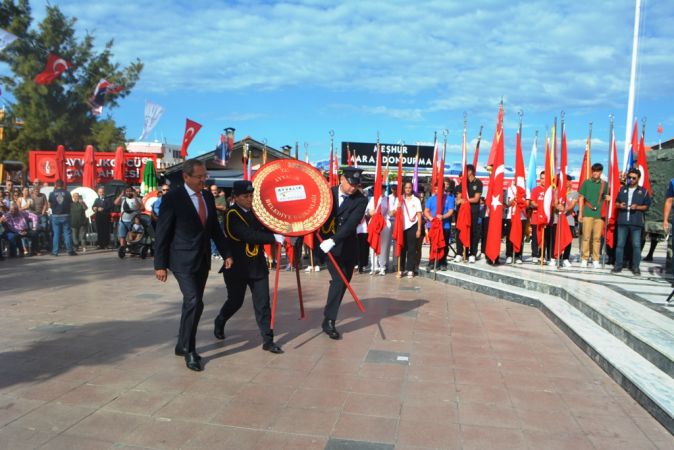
[(342, 197), (202, 208)]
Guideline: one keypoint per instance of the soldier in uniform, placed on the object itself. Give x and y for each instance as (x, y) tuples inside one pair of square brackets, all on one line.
[(247, 236), (348, 208)]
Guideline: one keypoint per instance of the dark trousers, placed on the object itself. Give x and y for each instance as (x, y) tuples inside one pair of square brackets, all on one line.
[(475, 230), (337, 287), (509, 245), (363, 251), (535, 245), (102, 230), (236, 291), (566, 253), (484, 229), (635, 235), (408, 254), (192, 286)]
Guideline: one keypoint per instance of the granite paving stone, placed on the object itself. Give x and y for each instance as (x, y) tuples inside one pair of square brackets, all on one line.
[(82, 369)]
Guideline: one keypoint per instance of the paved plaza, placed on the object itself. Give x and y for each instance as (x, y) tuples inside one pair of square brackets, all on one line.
[(86, 362)]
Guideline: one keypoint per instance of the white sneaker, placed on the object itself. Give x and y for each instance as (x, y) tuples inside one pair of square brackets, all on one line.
[(534, 260), (552, 262), (479, 255), (509, 260), (317, 268), (596, 265), (566, 263), (382, 272), (410, 274), (518, 261), (583, 263), (458, 259), (309, 269), (471, 259)]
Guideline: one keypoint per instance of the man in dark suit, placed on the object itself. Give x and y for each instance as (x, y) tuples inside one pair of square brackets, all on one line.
[(102, 208), (247, 236), (348, 209), (187, 223)]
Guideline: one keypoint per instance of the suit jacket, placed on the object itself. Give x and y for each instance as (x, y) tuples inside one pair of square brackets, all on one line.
[(346, 219), (246, 236), (182, 243)]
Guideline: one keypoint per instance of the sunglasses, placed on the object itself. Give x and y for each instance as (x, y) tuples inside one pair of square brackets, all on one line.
[(633, 178)]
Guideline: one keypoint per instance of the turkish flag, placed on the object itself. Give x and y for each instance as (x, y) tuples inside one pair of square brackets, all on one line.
[(54, 68), (494, 203), (464, 217), (191, 129), (563, 234), (519, 188), (399, 227), (614, 186), (642, 165)]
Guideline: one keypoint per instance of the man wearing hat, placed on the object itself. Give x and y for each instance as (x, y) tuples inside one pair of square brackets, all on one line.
[(348, 208), (247, 236)]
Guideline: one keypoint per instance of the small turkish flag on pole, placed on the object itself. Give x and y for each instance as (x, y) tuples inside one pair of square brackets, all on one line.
[(54, 68), (191, 129)]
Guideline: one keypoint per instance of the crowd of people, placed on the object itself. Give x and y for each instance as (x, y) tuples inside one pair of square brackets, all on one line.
[(32, 223)]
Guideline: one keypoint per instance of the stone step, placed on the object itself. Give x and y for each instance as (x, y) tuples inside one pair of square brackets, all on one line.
[(648, 332), (651, 387)]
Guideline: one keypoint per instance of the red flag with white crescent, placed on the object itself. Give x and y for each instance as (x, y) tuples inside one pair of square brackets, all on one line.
[(191, 129), (565, 236), (377, 222), (642, 164), (518, 187), (614, 186), (54, 68), (494, 203)]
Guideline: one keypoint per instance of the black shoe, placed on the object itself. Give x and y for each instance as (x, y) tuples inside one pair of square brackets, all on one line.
[(219, 329), (648, 258), (182, 351), (329, 329), (636, 271), (616, 270), (193, 362), (271, 347), (72, 253)]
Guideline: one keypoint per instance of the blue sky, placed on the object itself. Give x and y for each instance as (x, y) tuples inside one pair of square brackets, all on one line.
[(292, 71)]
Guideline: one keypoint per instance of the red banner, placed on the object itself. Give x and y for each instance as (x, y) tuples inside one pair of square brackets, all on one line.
[(42, 165)]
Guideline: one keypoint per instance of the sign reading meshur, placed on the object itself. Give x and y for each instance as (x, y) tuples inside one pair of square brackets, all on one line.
[(366, 154)]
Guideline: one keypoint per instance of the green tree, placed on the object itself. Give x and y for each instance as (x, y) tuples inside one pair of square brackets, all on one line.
[(57, 113)]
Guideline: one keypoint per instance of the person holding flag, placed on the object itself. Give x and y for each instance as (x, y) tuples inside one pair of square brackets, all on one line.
[(431, 212), (348, 208), (566, 209), (632, 202), (409, 207), (473, 192)]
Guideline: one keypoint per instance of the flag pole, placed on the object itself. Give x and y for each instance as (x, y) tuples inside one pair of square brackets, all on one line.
[(518, 213), (602, 253)]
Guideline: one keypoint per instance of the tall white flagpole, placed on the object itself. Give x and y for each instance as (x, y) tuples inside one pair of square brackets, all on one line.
[(633, 76)]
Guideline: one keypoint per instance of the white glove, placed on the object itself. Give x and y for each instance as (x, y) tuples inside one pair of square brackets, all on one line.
[(280, 238), (327, 245)]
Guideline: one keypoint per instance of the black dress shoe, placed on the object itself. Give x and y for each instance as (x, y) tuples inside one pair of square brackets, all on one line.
[(271, 347), (329, 329), (219, 330), (636, 271), (193, 362), (182, 351), (616, 270)]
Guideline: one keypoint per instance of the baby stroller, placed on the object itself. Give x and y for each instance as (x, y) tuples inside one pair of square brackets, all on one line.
[(140, 239)]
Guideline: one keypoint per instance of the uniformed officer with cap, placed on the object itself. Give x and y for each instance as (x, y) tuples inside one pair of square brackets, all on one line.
[(247, 236), (348, 208)]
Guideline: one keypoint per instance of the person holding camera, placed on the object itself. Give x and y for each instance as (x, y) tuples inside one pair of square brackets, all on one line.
[(131, 206)]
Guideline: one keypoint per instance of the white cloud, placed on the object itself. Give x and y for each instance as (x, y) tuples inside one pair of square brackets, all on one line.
[(451, 56)]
